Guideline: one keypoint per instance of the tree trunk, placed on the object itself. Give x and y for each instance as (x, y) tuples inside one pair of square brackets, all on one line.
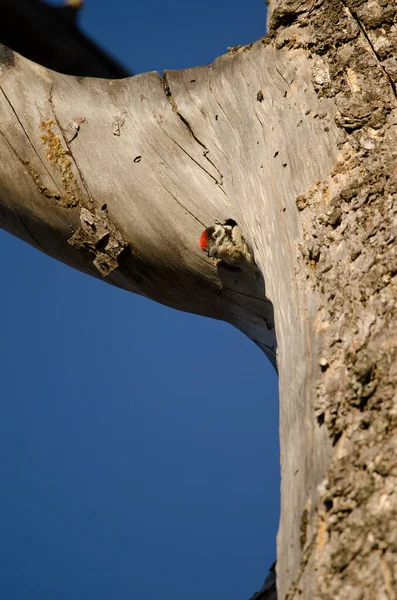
[(294, 137)]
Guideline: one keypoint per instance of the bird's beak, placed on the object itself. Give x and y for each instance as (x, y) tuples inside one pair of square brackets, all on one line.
[(212, 252)]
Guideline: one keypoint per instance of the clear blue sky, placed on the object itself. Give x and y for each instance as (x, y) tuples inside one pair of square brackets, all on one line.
[(138, 445)]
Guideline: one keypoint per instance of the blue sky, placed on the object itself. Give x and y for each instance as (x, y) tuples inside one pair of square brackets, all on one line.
[(139, 445)]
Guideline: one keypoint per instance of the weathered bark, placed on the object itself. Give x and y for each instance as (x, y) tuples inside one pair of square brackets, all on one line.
[(295, 138), (349, 541)]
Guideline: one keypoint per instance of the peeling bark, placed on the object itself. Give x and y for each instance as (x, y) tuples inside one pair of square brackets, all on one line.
[(293, 137)]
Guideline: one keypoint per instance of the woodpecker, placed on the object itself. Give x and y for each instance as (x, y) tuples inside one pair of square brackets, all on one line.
[(225, 242)]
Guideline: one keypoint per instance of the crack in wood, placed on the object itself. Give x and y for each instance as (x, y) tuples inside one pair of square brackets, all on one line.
[(182, 205), (84, 183), (33, 173), (59, 159), (23, 162), (30, 141), (281, 75), (174, 106), (355, 17), (198, 164), (265, 300), (35, 240)]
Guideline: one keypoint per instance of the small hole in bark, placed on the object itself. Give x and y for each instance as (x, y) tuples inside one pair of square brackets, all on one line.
[(336, 438), (337, 222), (104, 207), (363, 403), (102, 242), (328, 505), (323, 365), (320, 419), (137, 159), (367, 375)]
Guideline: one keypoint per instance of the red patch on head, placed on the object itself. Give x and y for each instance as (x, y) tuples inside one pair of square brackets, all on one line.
[(204, 240)]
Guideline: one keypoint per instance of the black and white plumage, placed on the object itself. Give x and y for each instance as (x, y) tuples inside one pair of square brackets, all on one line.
[(225, 242)]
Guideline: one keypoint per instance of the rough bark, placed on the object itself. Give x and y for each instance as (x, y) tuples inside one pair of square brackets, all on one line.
[(349, 541), (295, 138)]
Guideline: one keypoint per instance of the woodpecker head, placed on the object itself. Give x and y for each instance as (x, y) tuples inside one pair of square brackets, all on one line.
[(215, 237), (225, 242)]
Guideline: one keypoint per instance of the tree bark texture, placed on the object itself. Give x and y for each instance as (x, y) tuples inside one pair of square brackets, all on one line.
[(349, 541), (294, 137)]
